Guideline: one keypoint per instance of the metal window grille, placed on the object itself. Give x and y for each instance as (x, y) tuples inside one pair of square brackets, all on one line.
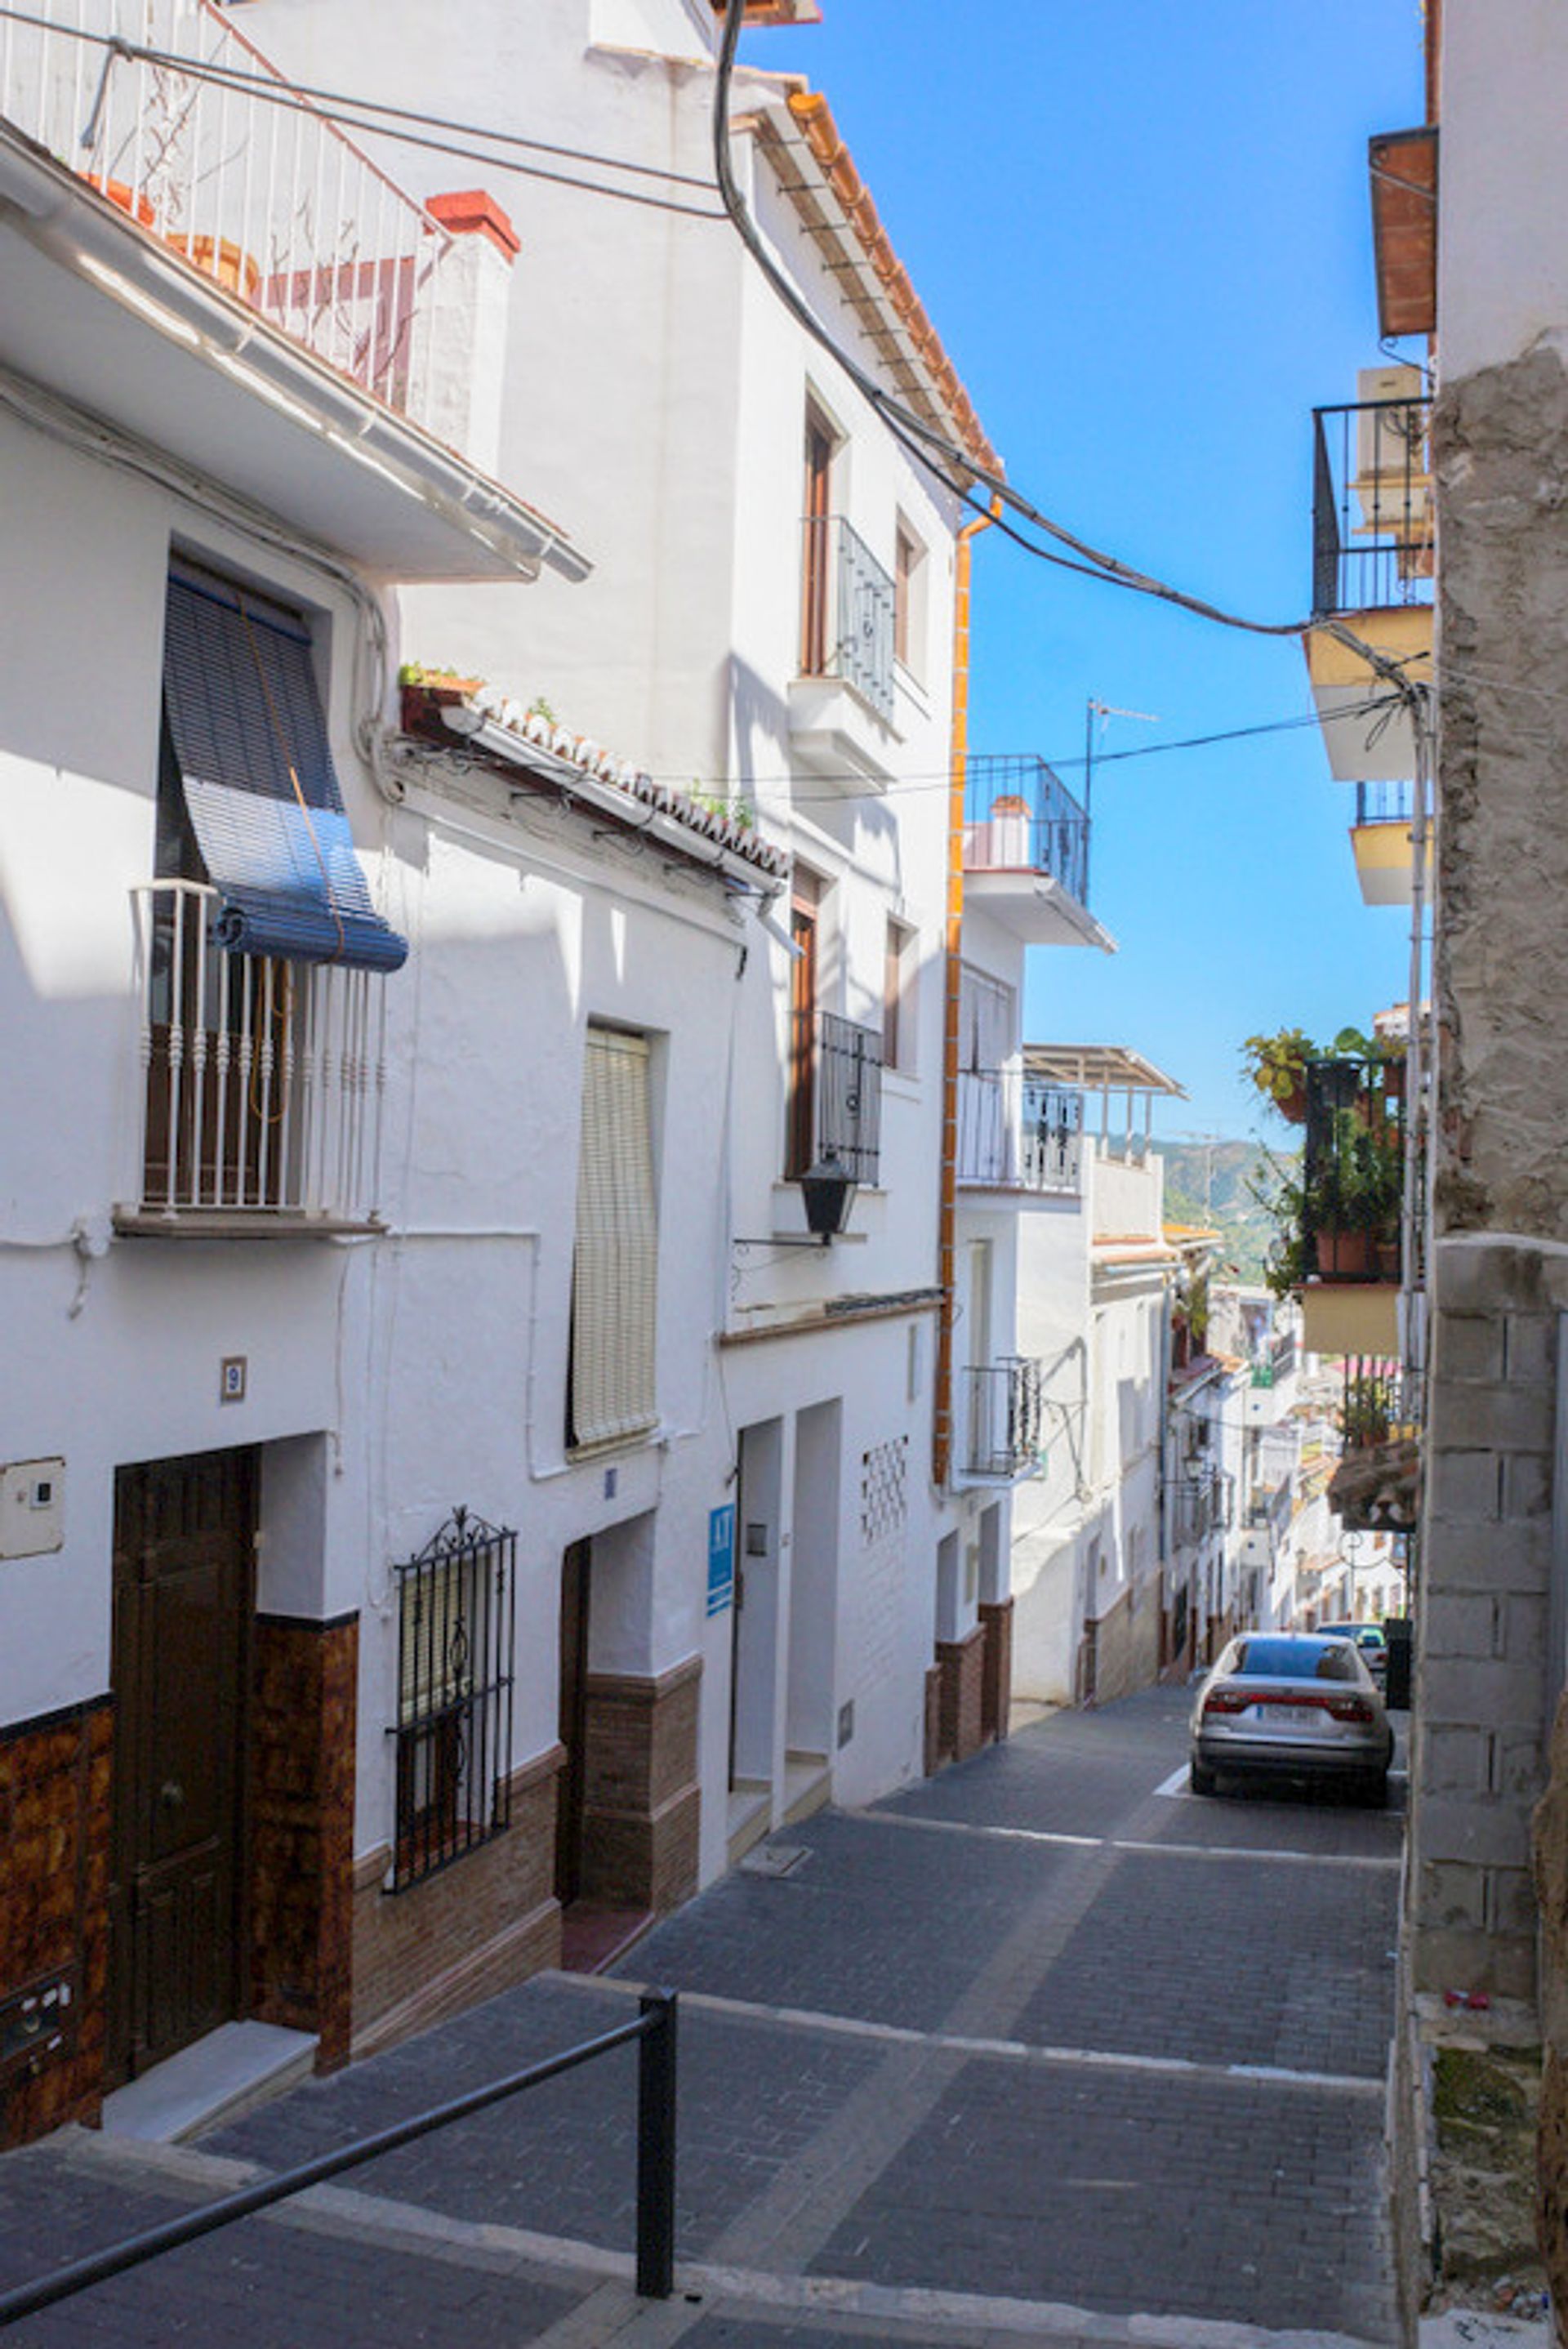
[(1006, 1416), (854, 639), (849, 1095), (456, 1650)]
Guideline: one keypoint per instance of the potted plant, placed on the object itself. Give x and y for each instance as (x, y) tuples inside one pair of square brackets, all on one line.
[(1276, 1065), (1353, 1199)]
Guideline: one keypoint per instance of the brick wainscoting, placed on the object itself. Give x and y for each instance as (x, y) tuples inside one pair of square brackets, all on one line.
[(963, 1666), (55, 1794), (488, 1921), (641, 1801), (934, 1756), (302, 1827), (996, 1681)]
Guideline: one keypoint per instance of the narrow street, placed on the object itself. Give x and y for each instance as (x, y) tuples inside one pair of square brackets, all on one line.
[(1044, 2048)]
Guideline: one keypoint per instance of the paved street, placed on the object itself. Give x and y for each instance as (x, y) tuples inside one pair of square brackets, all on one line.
[(1044, 2050)]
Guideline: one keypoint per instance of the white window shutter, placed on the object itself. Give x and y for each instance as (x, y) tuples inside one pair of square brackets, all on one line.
[(614, 1282)]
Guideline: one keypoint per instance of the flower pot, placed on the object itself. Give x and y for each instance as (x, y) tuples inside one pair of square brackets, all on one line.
[(1292, 1106), (1346, 1256)]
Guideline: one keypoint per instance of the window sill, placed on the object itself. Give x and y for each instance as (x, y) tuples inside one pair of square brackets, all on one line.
[(242, 1224)]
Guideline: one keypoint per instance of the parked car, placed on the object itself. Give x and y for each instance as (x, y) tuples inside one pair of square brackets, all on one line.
[(1296, 1705), (1368, 1637)]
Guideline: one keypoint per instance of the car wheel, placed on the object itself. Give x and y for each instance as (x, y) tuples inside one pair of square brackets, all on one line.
[(1201, 1778), (1374, 1790)]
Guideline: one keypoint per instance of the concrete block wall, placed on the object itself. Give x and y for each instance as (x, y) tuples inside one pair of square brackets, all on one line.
[(1482, 1604)]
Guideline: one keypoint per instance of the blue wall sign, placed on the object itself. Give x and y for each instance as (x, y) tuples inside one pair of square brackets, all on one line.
[(720, 1558)]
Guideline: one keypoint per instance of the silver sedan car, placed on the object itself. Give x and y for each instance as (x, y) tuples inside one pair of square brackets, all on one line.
[(1288, 1705)]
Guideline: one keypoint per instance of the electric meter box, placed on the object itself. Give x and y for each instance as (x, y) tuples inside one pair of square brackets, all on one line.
[(32, 1507)]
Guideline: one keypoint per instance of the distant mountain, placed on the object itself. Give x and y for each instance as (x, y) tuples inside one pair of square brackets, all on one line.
[(1214, 1182)]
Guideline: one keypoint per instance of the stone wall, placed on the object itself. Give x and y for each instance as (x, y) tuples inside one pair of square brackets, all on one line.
[(55, 1810)]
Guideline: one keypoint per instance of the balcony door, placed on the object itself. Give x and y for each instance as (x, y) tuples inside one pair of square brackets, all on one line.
[(816, 507), (801, 1139)]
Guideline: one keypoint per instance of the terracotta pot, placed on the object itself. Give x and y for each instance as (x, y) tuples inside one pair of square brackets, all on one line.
[(1346, 1256), (220, 258), (1292, 1106)]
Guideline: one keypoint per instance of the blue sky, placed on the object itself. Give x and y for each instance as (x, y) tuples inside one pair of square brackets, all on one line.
[(1142, 232)]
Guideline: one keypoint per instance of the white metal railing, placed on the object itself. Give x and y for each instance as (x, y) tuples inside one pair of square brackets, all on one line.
[(1016, 1134), (238, 172), (263, 1080)]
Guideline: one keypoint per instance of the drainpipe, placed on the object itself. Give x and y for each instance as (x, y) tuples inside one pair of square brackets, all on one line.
[(947, 1210)]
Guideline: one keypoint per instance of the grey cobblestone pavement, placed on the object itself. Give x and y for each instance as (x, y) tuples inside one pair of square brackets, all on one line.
[(963, 2077)]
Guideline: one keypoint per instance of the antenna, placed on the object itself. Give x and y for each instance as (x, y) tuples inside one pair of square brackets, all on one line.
[(1102, 710)]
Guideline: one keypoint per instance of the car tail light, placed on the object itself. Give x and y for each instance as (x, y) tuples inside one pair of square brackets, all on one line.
[(1224, 1699), (1350, 1708)]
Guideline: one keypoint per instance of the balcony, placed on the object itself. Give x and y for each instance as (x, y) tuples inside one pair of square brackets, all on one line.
[(835, 1097), (1404, 231), (239, 175), (1348, 1206), (1200, 1505), (1373, 550), (263, 1082), (1375, 1488), (1017, 1134), (1003, 1418), (196, 255), (1380, 844), (842, 704), (1025, 852)]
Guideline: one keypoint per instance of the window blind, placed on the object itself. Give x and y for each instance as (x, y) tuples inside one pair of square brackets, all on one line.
[(250, 740), (614, 1280)]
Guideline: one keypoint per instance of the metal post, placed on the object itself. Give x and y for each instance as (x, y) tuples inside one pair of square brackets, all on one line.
[(656, 2147)]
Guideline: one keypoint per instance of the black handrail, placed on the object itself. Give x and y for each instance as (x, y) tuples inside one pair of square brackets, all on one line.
[(655, 2027)]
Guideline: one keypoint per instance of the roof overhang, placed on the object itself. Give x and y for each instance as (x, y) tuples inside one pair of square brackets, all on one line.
[(1112, 1068), (1403, 167), (103, 316)]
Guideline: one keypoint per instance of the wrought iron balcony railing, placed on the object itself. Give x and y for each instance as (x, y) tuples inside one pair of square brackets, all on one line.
[(1017, 1132), (846, 611), (1200, 1505), (1005, 1417), (1353, 1169), (263, 1080), (1380, 1402), (1385, 803), (835, 1097), (203, 144), (1372, 507), (1019, 817)]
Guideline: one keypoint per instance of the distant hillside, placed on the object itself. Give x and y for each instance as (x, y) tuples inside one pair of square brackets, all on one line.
[(1212, 1182)]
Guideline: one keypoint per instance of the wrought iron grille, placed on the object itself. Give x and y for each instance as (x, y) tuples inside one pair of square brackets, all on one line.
[(456, 1651), (1385, 803), (1006, 1417), (1380, 1402), (1201, 1505), (1053, 1137), (1019, 816), (1372, 509), (1352, 1169), (848, 1090), (853, 637)]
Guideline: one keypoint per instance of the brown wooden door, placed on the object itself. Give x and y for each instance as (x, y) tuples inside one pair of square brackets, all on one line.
[(815, 550), (183, 1560), (800, 1142), (571, 1784)]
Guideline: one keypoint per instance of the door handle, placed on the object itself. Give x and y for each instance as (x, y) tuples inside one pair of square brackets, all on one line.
[(171, 1794)]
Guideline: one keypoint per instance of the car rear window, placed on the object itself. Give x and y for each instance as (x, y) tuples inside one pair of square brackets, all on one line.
[(1295, 1659)]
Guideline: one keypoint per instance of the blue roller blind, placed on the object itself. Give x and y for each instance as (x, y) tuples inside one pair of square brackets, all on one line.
[(242, 710)]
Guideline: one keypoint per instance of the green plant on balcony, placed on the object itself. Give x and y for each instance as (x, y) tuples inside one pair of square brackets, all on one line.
[(1341, 1222), (1364, 1417), (1277, 1064)]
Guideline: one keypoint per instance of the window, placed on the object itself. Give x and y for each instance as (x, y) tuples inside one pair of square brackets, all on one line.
[(611, 1385), (262, 951), (898, 1022), (456, 1635), (909, 600)]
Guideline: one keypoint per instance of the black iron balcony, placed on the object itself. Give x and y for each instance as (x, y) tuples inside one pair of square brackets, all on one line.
[(1019, 817), (1200, 1505), (1353, 1170), (1385, 803), (1372, 509), (835, 1098), (1005, 1417), (846, 611)]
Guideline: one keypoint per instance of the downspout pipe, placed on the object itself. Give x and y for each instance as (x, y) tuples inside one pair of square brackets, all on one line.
[(947, 1205)]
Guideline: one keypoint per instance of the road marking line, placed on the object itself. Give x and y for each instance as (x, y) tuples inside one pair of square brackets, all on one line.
[(1177, 1783), (1284, 1855), (1019, 2051)]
